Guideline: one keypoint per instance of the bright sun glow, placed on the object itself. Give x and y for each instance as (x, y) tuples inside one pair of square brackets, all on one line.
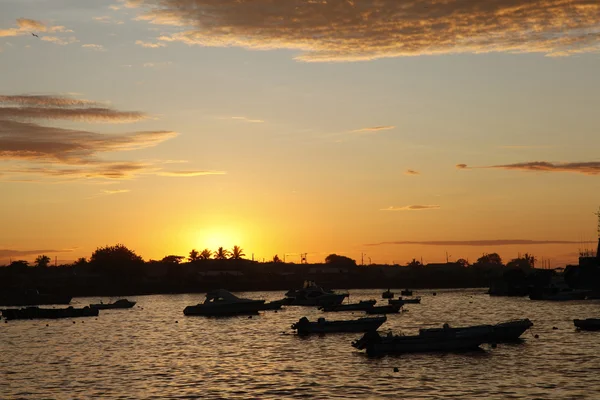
[(214, 238)]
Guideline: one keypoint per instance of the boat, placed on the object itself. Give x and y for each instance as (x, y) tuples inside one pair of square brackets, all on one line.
[(388, 309), (362, 305), (406, 292), (401, 301), (223, 303), (589, 324), (313, 295), (121, 303), (48, 313), (387, 294), (503, 332), (304, 326), (376, 345), (32, 298), (273, 305)]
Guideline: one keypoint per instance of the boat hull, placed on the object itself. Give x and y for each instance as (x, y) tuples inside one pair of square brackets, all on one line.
[(500, 333), (324, 300), (376, 345), (113, 306), (389, 309), (48, 313), (362, 306), (305, 327), (216, 310), (589, 324)]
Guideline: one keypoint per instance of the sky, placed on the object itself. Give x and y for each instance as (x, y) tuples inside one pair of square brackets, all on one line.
[(382, 130)]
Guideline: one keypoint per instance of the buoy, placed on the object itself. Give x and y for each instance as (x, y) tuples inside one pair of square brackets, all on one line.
[(46, 324), (73, 321), (434, 293), (249, 316), (554, 328), (396, 369), (176, 322), (537, 336)]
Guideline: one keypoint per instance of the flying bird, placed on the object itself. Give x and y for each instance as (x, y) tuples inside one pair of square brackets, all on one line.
[(34, 35)]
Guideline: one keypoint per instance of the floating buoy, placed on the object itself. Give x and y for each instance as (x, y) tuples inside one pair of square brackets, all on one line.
[(176, 322), (46, 324), (434, 293), (73, 321), (554, 328), (537, 336), (396, 369), (249, 316)]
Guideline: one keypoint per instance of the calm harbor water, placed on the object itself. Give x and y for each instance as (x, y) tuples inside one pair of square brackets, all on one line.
[(154, 352)]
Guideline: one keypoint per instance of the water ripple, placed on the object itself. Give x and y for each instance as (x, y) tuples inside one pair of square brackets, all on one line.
[(143, 353)]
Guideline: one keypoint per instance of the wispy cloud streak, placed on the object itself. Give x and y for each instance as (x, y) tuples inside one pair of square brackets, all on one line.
[(416, 207), (476, 243), (350, 30)]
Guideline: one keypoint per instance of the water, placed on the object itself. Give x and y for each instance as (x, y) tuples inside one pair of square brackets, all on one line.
[(154, 352)]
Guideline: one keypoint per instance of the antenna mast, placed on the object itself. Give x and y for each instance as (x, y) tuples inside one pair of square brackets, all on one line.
[(597, 213)]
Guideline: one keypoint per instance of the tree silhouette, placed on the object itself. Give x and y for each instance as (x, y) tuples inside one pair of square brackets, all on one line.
[(42, 261), (462, 262), (194, 255), (172, 259), (221, 253), (19, 264), (206, 254), (525, 262), (276, 259), (80, 261), (414, 263), (488, 259), (236, 253), (118, 261), (118, 254), (339, 260)]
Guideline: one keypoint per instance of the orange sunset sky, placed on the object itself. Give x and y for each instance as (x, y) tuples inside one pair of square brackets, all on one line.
[(397, 129)]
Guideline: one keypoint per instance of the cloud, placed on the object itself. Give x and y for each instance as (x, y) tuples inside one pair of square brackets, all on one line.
[(46, 101), (26, 26), (351, 30), (149, 44), (254, 121), (31, 25), (24, 107), (60, 29), (59, 40), (18, 253), (586, 168), (157, 64), (29, 141), (375, 128), (189, 173), (117, 191), (411, 172), (494, 242), (95, 47), (68, 153), (416, 207)]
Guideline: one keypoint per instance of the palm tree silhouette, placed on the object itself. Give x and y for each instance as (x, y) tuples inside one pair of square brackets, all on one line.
[(206, 254), (236, 253), (221, 253), (194, 255)]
